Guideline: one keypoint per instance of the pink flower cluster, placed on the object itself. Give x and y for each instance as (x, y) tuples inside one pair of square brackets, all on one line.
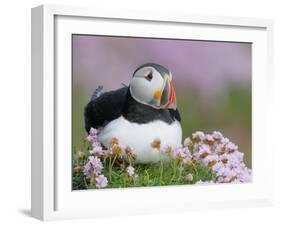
[(93, 168), (182, 153), (221, 156), (214, 150), (130, 170), (96, 145)]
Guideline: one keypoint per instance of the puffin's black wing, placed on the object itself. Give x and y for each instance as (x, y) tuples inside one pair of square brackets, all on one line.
[(175, 114), (105, 108)]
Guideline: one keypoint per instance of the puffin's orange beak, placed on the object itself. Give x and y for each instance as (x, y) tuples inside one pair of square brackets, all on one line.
[(172, 97)]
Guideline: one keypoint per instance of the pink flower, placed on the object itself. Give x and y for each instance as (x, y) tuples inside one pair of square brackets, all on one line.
[(178, 153), (189, 177), (224, 140), (219, 148), (87, 168), (217, 135), (246, 175), (210, 159), (130, 153), (205, 148), (201, 151), (218, 168), (187, 159), (91, 138), (198, 135), (222, 157), (93, 166), (101, 181), (97, 150), (93, 135), (93, 131), (209, 138), (96, 143), (230, 147), (229, 174), (182, 154), (187, 142), (130, 170)]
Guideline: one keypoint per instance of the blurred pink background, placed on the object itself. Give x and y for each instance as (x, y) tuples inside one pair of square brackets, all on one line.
[(201, 64)]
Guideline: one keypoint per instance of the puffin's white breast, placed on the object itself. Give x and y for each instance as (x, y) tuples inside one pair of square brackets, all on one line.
[(140, 136)]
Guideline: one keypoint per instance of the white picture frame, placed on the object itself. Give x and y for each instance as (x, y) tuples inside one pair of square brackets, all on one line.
[(52, 197)]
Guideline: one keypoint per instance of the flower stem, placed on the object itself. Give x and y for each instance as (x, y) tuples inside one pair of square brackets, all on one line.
[(180, 170), (161, 170), (174, 170), (194, 167), (109, 168), (114, 159)]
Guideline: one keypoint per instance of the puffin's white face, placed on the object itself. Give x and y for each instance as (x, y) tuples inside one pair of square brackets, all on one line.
[(151, 88)]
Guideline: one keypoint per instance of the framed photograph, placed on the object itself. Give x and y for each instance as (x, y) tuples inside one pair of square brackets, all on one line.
[(137, 112)]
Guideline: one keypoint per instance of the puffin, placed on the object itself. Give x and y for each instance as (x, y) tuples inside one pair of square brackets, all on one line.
[(138, 114)]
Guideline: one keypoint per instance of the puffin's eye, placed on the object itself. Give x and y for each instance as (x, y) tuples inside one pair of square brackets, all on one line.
[(149, 76)]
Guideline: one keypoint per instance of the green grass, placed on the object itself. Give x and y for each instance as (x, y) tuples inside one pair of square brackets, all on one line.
[(160, 174)]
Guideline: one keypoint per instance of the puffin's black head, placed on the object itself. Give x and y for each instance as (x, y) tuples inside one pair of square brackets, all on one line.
[(152, 85)]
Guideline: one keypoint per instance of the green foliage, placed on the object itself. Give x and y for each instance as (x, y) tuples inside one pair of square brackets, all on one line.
[(160, 174)]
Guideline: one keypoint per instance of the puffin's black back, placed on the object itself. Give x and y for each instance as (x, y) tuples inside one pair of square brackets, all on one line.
[(111, 105), (105, 108)]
